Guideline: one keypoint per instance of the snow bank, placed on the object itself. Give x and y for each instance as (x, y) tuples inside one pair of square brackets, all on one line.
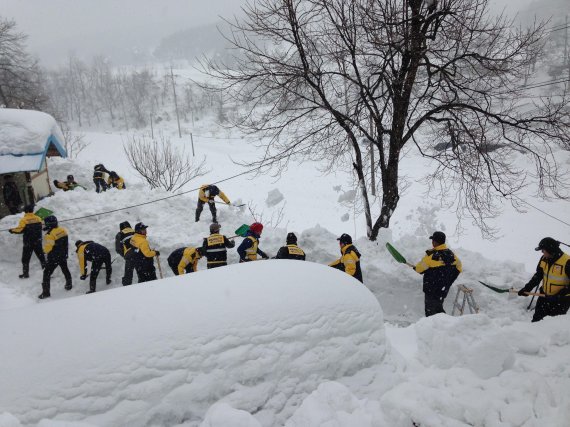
[(274, 197), (258, 336), (26, 131)]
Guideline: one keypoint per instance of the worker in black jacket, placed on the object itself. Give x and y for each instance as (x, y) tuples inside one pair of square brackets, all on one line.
[(553, 270), (124, 248), (56, 248), (30, 227), (291, 250), (99, 255), (99, 172), (215, 247)]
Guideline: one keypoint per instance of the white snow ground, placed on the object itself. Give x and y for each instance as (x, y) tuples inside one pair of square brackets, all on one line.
[(492, 369)]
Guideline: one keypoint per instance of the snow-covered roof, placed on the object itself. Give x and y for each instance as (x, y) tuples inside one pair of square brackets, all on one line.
[(26, 136)]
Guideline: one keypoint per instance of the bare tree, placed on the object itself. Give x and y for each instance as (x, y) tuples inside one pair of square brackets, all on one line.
[(161, 164), (21, 83), (74, 142), (319, 76)]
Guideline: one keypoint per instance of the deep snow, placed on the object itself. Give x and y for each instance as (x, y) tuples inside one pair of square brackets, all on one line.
[(492, 369)]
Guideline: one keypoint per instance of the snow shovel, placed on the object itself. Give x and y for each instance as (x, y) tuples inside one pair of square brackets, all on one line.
[(510, 290), (397, 255), (240, 231), (159, 267), (43, 213), (229, 204)]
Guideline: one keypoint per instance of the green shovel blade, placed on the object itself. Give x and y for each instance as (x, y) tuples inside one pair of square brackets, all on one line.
[(43, 213), (242, 230), (397, 255)]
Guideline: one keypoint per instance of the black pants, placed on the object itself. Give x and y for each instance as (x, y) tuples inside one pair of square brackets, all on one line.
[(13, 209), (51, 265), (216, 264), (27, 251), (554, 307), (100, 185), (200, 208), (433, 304), (145, 269), (129, 268), (96, 267)]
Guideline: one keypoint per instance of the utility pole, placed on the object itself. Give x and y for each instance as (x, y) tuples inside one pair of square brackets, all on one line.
[(175, 102)]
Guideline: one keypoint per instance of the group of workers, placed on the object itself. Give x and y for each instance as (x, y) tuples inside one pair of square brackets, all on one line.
[(101, 184), (440, 267)]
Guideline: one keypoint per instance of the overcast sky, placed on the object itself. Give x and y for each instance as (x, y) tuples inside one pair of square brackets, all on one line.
[(88, 27)]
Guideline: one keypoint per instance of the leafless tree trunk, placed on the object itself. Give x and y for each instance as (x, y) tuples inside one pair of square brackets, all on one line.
[(313, 75), (161, 164)]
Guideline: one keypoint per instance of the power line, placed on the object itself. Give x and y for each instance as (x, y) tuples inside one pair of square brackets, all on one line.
[(544, 212)]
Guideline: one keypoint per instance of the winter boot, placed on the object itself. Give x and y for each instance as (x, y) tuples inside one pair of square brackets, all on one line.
[(45, 291), (90, 291), (92, 287), (68, 286), (25, 272), (109, 281)]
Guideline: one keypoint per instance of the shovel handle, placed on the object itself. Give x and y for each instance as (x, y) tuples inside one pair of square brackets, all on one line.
[(534, 294)]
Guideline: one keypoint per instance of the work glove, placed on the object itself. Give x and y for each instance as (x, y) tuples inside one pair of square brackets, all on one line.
[(522, 293), (83, 277), (157, 253), (10, 231)]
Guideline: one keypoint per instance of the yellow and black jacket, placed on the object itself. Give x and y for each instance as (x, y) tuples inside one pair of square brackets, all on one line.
[(141, 246), (56, 244), (440, 267), (349, 262), (202, 195), (249, 248), (184, 260), (290, 252), (554, 273), (118, 182), (214, 248), (31, 227), (89, 251), (123, 241)]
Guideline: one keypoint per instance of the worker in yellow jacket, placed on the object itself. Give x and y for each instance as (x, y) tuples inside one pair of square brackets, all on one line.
[(440, 268), (553, 271), (143, 254), (349, 262), (115, 181), (184, 260), (56, 249), (207, 194), (30, 226), (99, 256)]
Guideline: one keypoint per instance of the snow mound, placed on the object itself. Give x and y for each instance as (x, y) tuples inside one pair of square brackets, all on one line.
[(26, 131), (257, 336), (274, 197), (347, 196)]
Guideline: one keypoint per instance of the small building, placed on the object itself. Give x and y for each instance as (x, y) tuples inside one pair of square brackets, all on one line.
[(27, 139)]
